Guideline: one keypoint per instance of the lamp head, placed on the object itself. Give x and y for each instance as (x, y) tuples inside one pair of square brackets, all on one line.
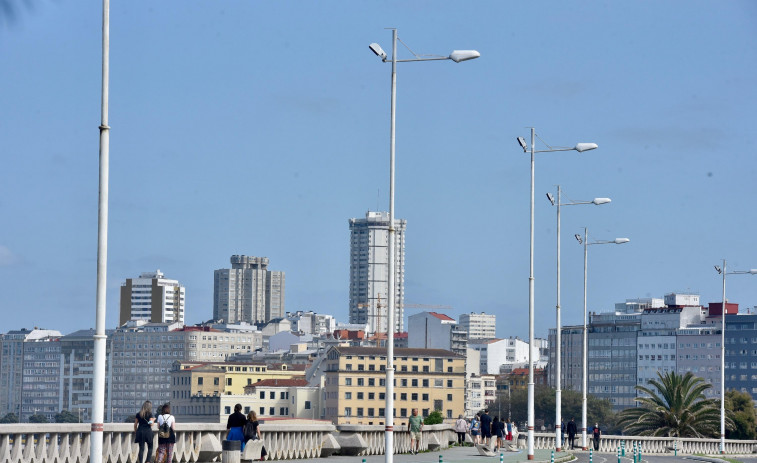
[(753, 271), (551, 198), (718, 269), (522, 143), (599, 201), (578, 237), (463, 55), (376, 48), (621, 240), (581, 147)]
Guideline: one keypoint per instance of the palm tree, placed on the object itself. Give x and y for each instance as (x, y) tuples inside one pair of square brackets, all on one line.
[(674, 406)]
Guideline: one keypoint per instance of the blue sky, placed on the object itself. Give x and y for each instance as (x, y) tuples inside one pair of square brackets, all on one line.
[(261, 127)]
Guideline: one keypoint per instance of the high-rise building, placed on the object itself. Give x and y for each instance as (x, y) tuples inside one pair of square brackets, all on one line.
[(369, 271), (248, 291), (479, 325), (153, 298), (30, 373)]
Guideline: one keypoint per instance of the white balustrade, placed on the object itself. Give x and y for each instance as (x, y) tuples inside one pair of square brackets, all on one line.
[(200, 442)]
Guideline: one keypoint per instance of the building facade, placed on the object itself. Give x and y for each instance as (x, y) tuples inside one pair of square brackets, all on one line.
[(152, 298), (369, 271), (248, 291), (431, 330), (426, 379), (501, 355), (479, 325)]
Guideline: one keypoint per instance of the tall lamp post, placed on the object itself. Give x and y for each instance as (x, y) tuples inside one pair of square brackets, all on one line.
[(580, 147), (722, 271), (456, 56), (585, 242), (98, 382), (558, 337)]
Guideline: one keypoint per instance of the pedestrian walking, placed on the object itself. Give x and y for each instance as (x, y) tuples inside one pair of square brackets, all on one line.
[(475, 429), (562, 434), (572, 430), (597, 433), (486, 428), (235, 425), (166, 436), (143, 431), (461, 427), (416, 426), (509, 430)]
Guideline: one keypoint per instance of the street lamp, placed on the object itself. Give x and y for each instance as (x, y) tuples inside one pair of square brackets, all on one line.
[(580, 147), (585, 242), (558, 337), (456, 56), (722, 271)]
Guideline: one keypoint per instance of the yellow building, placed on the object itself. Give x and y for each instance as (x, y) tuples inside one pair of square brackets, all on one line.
[(426, 379), (192, 380)]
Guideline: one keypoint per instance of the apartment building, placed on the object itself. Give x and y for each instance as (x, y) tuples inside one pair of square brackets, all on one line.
[(431, 330), (152, 298), (479, 325), (248, 291), (427, 379)]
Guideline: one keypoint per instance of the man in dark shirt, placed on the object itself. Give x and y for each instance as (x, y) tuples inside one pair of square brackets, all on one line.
[(572, 430), (486, 427)]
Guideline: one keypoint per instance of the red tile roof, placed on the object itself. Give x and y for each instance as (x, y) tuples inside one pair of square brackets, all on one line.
[(279, 383), (442, 316)]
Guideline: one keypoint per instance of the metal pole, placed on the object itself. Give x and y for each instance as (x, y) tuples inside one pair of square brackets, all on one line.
[(586, 345), (722, 369), (531, 312), (389, 410), (558, 345), (98, 387)]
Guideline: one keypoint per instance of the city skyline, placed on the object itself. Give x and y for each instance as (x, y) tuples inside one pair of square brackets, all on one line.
[(304, 114)]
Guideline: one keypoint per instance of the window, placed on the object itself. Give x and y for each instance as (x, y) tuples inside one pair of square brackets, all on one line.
[(359, 396), (199, 381), (371, 396), (449, 383), (449, 397), (403, 396), (228, 381), (272, 411), (370, 412), (348, 395), (360, 382), (425, 383), (425, 397), (403, 412), (414, 396), (283, 411), (360, 411), (371, 382), (403, 382), (227, 410), (438, 383), (246, 410), (307, 405), (348, 411), (348, 381), (216, 381), (273, 394), (262, 394), (414, 383)]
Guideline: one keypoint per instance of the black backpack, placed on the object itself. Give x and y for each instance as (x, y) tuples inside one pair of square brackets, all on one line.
[(164, 432)]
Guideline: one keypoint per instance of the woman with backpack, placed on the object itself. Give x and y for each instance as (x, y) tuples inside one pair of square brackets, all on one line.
[(166, 436), (475, 430), (143, 430)]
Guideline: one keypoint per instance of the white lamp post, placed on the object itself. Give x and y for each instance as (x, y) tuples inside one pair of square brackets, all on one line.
[(456, 56), (558, 336), (98, 381), (585, 242), (722, 350), (580, 147)]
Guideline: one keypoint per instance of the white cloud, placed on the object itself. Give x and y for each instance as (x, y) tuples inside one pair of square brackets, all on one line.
[(7, 257)]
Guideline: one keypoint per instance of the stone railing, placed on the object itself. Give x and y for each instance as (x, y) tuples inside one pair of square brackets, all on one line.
[(650, 445), (285, 440)]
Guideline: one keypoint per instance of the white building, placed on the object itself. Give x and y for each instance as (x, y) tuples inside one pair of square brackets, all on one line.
[(312, 323), (479, 325), (369, 271), (248, 291), (500, 355), (152, 298), (431, 330), (480, 392)]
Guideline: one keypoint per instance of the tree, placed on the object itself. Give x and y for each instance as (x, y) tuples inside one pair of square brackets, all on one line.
[(740, 407), (673, 406), (434, 417), (9, 418), (38, 418), (66, 417), (598, 410)]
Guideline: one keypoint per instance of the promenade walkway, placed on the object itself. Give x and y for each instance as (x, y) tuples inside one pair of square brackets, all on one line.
[(451, 455)]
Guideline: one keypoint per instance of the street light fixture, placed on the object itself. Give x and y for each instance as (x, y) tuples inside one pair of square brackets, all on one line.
[(558, 334), (585, 242), (456, 56), (580, 147), (722, 349)]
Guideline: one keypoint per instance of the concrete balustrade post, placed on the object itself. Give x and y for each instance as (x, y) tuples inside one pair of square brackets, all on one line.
[(231, 451)]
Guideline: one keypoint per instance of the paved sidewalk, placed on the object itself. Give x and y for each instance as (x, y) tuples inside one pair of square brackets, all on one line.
[(451, 455)]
